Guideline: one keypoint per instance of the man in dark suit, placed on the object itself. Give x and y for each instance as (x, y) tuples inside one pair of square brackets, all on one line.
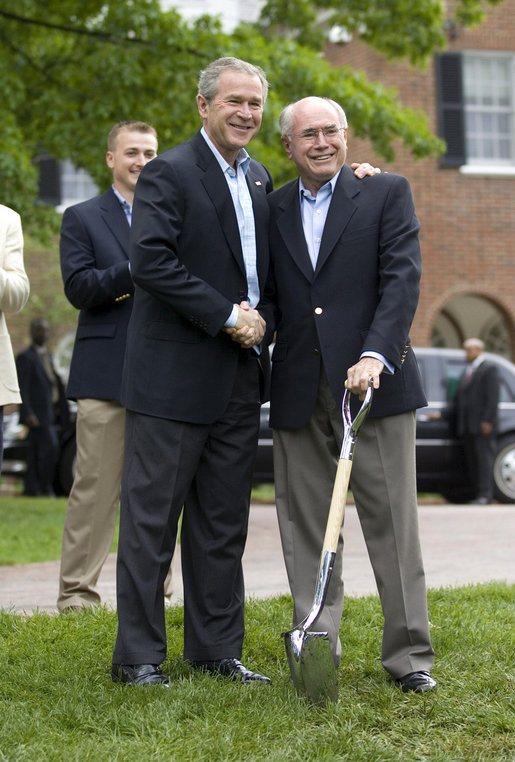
[(477, 398), (43, 408), (199, 257), (345, 268), (94, 249)]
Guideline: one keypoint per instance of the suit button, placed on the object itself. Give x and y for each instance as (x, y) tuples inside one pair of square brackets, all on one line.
[(318, 310), (316, 351)]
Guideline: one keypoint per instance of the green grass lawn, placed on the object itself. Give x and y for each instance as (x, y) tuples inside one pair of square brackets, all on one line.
[(57, 701), (32, 528)]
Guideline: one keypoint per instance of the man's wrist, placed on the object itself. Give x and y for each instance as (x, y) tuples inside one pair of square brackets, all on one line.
[(233, 317)]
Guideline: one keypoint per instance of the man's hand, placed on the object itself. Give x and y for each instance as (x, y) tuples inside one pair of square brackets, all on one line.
[(364, 169), (31, 421), (365, 373), (250, 327)]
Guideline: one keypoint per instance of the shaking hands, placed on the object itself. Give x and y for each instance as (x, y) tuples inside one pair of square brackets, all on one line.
[(250, 327)]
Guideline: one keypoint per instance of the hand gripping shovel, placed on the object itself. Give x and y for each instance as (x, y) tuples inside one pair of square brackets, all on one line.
[(309, 653)]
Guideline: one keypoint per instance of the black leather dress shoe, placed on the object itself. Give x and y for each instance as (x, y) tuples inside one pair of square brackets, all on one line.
[(418, 682), (230, 668), (139, 674)]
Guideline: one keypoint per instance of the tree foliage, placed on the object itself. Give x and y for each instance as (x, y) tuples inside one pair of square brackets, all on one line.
[(411, 29), (69, 71)]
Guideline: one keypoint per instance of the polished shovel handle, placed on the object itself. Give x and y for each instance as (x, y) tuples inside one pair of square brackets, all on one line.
[(343, 471)]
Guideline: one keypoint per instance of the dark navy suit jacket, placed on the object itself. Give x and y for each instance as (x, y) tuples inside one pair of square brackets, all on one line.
[(187, 264), (362, 295), (94, 249)]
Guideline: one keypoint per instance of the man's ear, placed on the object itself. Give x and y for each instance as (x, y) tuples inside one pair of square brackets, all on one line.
[(286, 143), (202, 105)]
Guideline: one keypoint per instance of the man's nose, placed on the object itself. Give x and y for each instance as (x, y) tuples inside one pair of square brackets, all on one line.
[(245, 111)]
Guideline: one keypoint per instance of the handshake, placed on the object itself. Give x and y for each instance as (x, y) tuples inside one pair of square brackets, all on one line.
[(250, 327)]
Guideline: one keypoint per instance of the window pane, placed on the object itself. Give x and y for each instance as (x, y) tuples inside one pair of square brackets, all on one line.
[(489, 86)]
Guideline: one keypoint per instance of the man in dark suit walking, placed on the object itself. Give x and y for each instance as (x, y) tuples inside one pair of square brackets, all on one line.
[(477, 397), (94, 249), (43, 408), (199, 257), (345, 268)]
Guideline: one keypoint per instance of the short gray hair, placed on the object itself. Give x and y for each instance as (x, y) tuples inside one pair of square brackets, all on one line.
[(210, 76), (286, 115)]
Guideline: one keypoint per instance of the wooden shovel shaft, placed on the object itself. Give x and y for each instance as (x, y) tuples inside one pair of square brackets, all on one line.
[(337, 507)]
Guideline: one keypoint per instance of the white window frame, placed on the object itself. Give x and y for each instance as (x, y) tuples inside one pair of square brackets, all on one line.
[(488, 165)]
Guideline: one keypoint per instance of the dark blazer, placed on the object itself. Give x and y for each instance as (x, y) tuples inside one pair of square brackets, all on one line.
[(94, 249), (187, 264), (362, 295), (477, 399), (36, 390)]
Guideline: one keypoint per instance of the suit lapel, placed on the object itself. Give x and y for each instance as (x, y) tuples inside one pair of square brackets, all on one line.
[(289, 223), (218, 191), (115, 219), (260, 206), (342, 208)]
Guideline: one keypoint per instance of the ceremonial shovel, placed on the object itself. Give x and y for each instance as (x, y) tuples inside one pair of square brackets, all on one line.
[(309, 653)]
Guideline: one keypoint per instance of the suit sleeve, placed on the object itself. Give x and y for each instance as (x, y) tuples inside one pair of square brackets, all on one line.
[(490, 394), (24, 369), (400, 268), (14, 283), (85, 284)]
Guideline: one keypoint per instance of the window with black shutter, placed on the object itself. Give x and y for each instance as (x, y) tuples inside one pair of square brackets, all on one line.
[(451, 115)]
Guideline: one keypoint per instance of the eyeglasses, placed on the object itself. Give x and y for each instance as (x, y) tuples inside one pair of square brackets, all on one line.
[(311, 133)]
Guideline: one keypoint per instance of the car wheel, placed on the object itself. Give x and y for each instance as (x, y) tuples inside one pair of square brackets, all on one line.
[(504, 470), (66, 466)]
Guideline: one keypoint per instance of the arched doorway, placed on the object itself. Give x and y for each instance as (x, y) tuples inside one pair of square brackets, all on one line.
[(469, 315)]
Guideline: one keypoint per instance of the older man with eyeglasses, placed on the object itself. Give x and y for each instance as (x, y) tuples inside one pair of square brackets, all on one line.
[(346, 265)]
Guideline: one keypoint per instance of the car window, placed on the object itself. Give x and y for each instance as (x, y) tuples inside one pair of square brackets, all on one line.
[(505, 392), (453, 371)]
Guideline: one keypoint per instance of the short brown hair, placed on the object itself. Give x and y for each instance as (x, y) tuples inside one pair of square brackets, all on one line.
[(127, 125)]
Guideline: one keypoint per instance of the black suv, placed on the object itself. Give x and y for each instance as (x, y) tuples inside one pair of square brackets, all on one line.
[(440, 458)]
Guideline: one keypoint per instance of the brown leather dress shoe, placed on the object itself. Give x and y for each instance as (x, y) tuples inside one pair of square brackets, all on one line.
[(139, 674), (232, 668), (418, 682)]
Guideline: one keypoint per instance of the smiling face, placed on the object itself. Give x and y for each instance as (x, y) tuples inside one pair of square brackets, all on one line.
[(234, 115), (317, 159), (132, 150)]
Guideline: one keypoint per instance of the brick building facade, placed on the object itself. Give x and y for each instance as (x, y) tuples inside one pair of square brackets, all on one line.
[(467, 212)]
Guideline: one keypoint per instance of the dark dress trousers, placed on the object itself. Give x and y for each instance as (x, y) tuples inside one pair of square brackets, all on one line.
[(192, 397)]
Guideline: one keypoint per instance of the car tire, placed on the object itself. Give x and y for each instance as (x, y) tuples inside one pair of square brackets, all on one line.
[(66, 467), (504, 470)]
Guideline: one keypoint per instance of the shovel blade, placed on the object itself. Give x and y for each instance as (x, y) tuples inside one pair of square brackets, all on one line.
[(311, 665)]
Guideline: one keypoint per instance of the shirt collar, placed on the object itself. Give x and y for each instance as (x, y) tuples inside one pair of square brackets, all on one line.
[(243, 158), (329, 186), (120, 198)]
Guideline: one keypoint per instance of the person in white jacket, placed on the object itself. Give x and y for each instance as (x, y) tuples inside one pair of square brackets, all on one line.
[(14, 292)]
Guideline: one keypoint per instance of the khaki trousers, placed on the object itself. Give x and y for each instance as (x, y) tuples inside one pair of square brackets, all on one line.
[(93, 503), (383, 482)]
